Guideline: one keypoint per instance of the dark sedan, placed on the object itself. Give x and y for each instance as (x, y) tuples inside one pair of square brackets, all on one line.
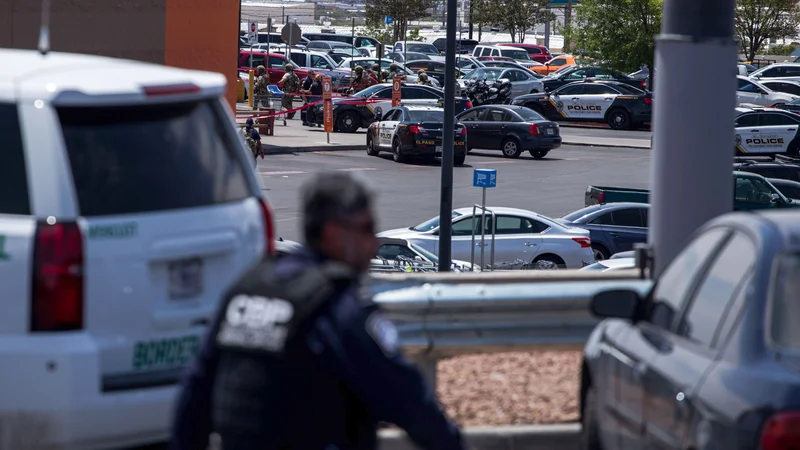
[(789, 188), (706, 358), (614, 227), (414, 131), (510, 129), (581, 73)]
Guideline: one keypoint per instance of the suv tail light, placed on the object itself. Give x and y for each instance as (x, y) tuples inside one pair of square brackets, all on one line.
[(781, 431), (533, 129), (583, 241), (58, 273), (269, 228), (461, 131), (648, 100)]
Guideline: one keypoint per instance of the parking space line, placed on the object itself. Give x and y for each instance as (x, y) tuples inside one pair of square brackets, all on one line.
[(288, 172), (356, 169)]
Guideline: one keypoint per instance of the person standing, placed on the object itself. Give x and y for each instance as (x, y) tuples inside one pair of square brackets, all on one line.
[(260, 88), (300, 357), (305, 89), (290, 84), (253, 139), (316, 96)]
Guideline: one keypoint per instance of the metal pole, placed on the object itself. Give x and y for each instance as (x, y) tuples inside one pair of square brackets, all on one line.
[(353, 32), (405, 41), (483, 228), (470, 19), (448, 136), (547, 33), (702, 32)]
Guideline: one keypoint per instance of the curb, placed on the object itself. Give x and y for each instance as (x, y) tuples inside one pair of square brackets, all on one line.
[(589, 144), (528, 437), (283, 150)]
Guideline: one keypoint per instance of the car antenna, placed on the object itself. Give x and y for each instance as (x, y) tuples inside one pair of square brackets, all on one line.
[(44, 32)]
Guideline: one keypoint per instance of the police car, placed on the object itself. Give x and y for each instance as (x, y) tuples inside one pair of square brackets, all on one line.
[(128, 206), (618, 104), (413, 130), (358, 111), (767, 131)]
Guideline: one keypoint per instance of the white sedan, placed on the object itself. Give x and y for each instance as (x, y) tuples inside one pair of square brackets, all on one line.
[(520, 234)]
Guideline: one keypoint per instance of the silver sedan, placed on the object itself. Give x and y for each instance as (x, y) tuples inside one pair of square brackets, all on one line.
[(521, 81)]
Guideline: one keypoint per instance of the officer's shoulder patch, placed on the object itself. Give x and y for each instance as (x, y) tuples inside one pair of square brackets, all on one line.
[(383, 332)]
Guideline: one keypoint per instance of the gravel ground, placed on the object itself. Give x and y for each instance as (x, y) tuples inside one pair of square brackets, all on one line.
[(511, 388)]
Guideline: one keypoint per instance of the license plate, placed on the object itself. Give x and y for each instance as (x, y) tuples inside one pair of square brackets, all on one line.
[(165, 353), (550, 131), (438, 148), (185, 278)]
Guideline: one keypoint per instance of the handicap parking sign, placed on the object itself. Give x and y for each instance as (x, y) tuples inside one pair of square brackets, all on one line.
[(484, 178)]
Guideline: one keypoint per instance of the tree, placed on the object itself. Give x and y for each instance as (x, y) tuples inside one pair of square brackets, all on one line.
[(518, 16), (401, 12), (618, 33), (758, 21)]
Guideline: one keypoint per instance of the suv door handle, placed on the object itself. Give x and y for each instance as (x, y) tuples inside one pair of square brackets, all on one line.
[(791, 129), (754, 131), (575, 98)]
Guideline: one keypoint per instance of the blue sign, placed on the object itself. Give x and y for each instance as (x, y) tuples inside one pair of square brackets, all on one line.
[(387, 20), (484, 178), (562, 2)]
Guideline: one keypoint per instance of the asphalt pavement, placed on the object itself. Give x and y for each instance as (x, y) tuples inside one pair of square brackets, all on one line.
[(408, 194)]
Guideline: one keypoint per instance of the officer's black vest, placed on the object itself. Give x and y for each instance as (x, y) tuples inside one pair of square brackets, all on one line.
[(257, 339)]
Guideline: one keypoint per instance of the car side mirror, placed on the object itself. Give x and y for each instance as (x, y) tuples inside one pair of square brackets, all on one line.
[(622, 304), (774, 198)]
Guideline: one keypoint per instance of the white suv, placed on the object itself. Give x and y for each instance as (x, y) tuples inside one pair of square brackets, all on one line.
[(128, 205)]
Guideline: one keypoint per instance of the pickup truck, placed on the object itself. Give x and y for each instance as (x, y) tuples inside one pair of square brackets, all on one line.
[(751, 191)]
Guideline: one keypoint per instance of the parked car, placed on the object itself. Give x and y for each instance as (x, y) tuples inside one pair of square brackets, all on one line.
[(328, 46), (607, 265), (791, 189), (129, 207), (784, 86), (556, 63), (466, 64), (274, 63), (463, 46), (752, 92), (767, 131), (777, 167), (391, 249), (510, 129), (520, 235), (409, 56), (707, 355), (511, 65), (538, 53), (521, 82), (751, 191), (515, 54), (414, 131), (614, 227), (352, 113), (424, 48), (434, 69), (581, 73), (357, 41)]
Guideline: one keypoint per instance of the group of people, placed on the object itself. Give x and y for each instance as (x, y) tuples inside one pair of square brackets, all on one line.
[(374, 75)]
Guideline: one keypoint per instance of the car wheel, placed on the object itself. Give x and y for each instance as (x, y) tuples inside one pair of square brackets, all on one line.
[(619, 119), (548, 262), (511, 148), (458, 160), (600, 252), (538, 154), (397, 152), (371, 151), (348, 122), (590, 433)]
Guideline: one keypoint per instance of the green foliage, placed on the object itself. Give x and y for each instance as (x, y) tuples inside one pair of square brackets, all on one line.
[(758, 21), (517, 16), (401, 11), (382, 33), (620, 33), (781, 49), (414, 35)]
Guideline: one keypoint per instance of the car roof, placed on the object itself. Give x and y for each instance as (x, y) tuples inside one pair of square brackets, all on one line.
[(422, 107), (70, 77), (781, 181), (500, 210)]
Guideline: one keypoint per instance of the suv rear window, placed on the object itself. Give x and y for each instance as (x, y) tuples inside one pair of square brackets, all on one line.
[(14, 179), (136, 159)]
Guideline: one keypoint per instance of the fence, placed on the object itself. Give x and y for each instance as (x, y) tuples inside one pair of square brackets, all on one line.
[(447, 314)]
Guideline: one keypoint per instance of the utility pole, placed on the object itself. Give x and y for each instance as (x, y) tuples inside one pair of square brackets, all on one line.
[(470, 19), (700, 32), (448, 137)]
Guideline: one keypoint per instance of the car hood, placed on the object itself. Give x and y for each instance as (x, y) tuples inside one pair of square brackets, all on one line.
[(399, 233)]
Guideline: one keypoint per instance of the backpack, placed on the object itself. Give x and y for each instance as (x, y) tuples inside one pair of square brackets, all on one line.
[(290, 85)]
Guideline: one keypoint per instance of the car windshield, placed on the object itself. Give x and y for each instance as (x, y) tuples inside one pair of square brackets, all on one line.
[(517, 55), (431, 224), (427, 49), (484, 73), (529, 115), (427, 116), (368, 92), (433, 258), (347, 49), (625, 89), (785, 308)]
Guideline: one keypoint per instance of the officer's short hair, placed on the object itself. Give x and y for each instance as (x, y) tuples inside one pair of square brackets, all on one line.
[(331, 196)]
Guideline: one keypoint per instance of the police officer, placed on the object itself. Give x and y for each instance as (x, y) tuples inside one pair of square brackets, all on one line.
[(423, 78), (299, 356), (290, 84)]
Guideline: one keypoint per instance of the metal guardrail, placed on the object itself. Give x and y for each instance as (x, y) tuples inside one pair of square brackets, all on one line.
[(446, 314)]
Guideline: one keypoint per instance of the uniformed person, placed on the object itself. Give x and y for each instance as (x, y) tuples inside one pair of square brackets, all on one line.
[(394, 71), (260, 89), (422, 78), (300, 357), (359, 82), (253, 139), (290, 85)]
